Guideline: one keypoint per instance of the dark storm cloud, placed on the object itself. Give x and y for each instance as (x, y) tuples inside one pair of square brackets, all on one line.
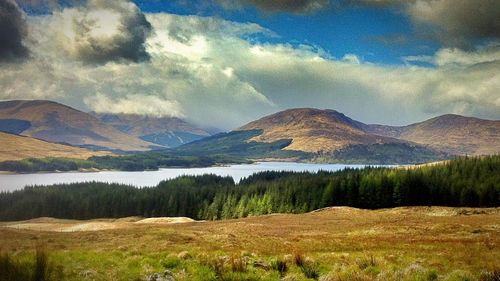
[(287, 6), (124, 27), (13, 30), (455, 23), (47, 6), (458, 23)]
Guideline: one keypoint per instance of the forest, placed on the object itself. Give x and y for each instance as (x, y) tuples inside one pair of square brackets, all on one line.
[(132, 162), (464, 181)]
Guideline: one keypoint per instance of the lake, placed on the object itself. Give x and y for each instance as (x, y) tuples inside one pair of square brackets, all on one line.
[(9, 182)]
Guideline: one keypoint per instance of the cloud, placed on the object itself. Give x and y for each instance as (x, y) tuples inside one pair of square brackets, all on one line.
[(212, 72), (454, 57), (272, 6), (13, 30), (135, 104), (457, 22), (102, 31), (454, 23)]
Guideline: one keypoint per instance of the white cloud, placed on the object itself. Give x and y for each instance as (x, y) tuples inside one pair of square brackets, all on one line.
[(215, 73), (134, 104), (99, 32)]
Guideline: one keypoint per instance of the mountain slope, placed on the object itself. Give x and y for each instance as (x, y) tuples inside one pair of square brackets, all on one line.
[(453, 134), (165, 131), (239, 144), (16, 147), (314, 130), (311, 134), (55, 122)]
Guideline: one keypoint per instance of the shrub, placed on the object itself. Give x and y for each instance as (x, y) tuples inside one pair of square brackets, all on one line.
[(493, 275), (298, 259), (12, 269), (366, 262), (171, 262), (459, 275), (280, 265), (238, 264), (217, 265), (310, 270)]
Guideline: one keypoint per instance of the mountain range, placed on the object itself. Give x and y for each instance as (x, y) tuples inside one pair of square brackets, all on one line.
[(314, 130), (296, 134), (54, 122), (454, 134), (57, 123), (164, 131), (330, 136)]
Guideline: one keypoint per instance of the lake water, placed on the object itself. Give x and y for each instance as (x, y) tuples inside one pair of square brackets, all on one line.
[(9, 182)]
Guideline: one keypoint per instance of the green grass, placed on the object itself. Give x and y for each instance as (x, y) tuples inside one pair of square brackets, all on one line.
[(223, 266), (408, 244)]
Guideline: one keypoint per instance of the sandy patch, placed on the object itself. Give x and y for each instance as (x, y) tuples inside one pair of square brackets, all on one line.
[(90, 226), (166, 220), (64, 227)]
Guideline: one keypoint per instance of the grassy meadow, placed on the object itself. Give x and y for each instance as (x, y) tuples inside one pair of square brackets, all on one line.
[(341, 243)]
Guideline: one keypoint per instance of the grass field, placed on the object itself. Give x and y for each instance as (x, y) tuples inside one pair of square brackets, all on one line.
[(418, 243)]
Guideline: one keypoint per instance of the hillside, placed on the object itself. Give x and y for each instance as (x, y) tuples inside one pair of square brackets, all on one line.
[(164, 131), (241, 144), (453, 134), (19, 147), (59, 123), (311, 134), (313, 130)]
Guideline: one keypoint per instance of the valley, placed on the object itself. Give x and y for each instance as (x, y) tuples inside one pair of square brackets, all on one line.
[(250, 140)]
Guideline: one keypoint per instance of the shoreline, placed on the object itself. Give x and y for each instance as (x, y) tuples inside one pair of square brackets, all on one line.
[(253, 162)]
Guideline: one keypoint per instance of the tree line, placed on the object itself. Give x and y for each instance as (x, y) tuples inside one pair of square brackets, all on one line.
[(465, 181), (133, 162)]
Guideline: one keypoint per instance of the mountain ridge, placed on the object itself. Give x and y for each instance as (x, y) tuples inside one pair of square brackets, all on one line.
[(59, 123), (164, 131), (451, 133), (15, 147), (314, 130)]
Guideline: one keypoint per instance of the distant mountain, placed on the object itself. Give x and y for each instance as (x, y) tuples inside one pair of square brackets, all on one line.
[(54, 122), (313, 134), (16, 147), (450, 133), (313, 130), (239, 144), (164, 131)]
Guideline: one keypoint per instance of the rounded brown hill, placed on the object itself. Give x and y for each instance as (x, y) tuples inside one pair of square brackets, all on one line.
[(54, 122), (451, 133), (16, 147), (313, 130)]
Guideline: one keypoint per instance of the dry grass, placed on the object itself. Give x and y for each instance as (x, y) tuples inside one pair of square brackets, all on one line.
[(18, 147), (343, 243)]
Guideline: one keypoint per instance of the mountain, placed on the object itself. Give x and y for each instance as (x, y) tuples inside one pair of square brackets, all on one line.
[(450, 133), (239, 144), (54, 122), (311, 134), (313, 130), (164, 131), (16, 147)]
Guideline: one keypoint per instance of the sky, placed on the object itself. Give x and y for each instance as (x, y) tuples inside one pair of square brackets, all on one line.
[(222, 63)]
